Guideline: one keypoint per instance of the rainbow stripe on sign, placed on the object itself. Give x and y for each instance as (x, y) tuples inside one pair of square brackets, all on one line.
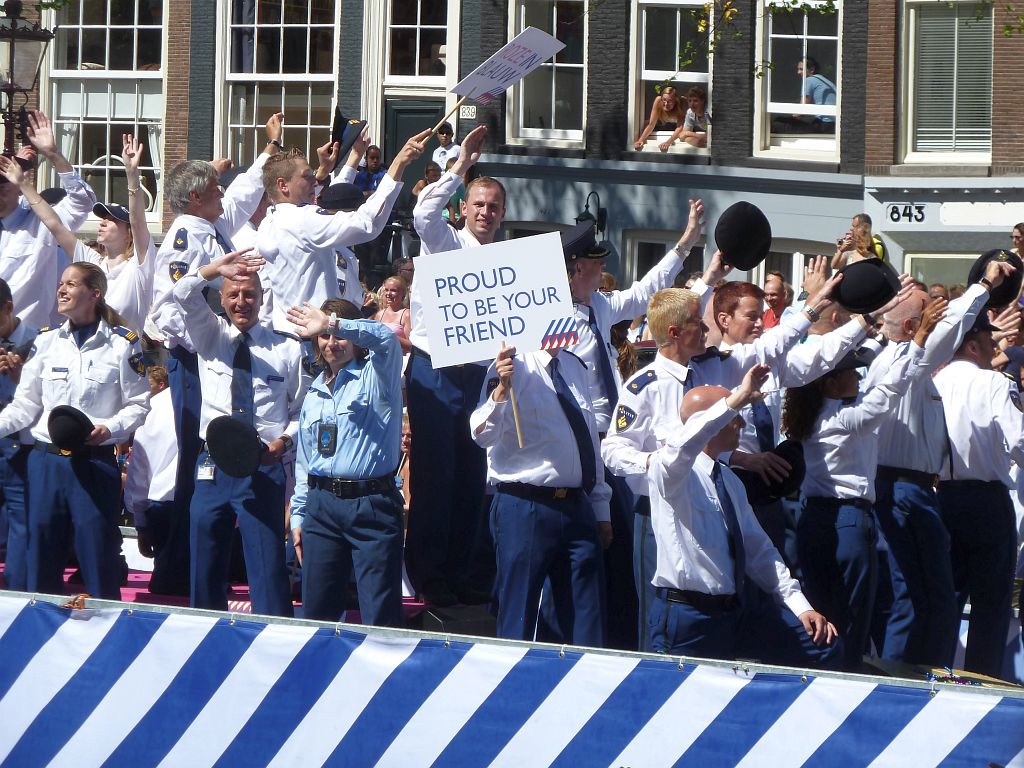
[(561, 333)]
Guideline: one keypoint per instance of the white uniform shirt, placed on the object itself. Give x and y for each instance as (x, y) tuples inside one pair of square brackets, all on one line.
[(436, 236), (689, 523), (129, 284), (153, 462), (192, 243), (442, 155), (29, 260), (279, 381), (985, 422), (550, 456), (105, 379), (915, 438), (301, 244), (842, 452)]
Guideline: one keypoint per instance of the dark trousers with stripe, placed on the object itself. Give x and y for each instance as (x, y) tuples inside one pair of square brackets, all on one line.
[(364, 533), (983, 537), (78, 496), (548, 539), (645, 562), (257, 502), (13, 476)]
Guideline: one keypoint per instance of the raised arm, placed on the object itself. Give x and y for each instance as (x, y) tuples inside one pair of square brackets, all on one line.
[(13, 172), (131, 155)]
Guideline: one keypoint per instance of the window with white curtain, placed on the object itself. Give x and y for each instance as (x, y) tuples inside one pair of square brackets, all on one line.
[(949, 77), (106, 80), (282, 57)]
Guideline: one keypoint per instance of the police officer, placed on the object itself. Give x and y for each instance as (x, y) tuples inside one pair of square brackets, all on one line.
[(301, 243), (201, 232), (28, 255), (985, 424), (94, 364), (346, 510), (551, 506), (255, 375), (16, 339)]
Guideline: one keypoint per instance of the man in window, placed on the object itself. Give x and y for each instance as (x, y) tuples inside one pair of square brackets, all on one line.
[(817, 89)]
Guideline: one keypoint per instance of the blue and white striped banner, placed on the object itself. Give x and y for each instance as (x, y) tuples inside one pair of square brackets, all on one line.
[(115, 687)]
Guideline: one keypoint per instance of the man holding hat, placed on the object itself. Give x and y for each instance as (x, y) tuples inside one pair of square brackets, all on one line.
[(253, 385), (985, 425), (301, 242)]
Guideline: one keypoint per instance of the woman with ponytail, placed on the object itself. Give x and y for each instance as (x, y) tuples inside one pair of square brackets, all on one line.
[(92, 366)]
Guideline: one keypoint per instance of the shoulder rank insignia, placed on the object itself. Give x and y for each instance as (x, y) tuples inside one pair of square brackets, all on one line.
[(710, 354), (127, 333), (181, 240), (624, 417), (46, 328), (324, 212), (138, 364), (1015, 399), (178, 269), (641, 381), (492, 384)]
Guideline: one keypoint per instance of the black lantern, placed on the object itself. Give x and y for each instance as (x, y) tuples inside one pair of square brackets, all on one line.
[(601, 220), (22, 47)]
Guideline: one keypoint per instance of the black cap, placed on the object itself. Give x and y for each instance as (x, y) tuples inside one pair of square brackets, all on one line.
[(231, 174), (341, 197), (759, 492), (446, 127), (53, 195), (1007, 290), (345, 132), (743, 235), (69, 427), (108, 211), (234, 446), (580, 242), (867, 285), (982, 325)]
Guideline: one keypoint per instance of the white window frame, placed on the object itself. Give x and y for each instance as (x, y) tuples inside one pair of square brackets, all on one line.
[(639, 77), (630, 258), (515, 133), (909, 257), (906, 134), (805, 146), (416, 81), (51, 79), (315, 135)]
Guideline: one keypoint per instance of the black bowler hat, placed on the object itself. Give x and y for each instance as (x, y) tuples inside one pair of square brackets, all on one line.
[(53, 195), (341, 197), (231, 174), (69, 427), (982, 325), (113, 212), (1007, 290), (760, 492), (345, 132), (580, 242), (866, 286), (743, 235), (234, 446)]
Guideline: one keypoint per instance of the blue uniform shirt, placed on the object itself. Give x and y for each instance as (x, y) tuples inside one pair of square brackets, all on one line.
[(365, 403)]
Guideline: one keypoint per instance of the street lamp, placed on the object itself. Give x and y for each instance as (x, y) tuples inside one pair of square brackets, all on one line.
[(602, 213), (22, 47)]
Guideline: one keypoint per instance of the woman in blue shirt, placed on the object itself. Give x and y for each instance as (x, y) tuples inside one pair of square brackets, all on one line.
[(346, 511)]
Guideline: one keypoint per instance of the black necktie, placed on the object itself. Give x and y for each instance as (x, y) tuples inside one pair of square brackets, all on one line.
[(732, 524), (763, 425), (578, 424), (241, 382), (223, 242), (604, 363)]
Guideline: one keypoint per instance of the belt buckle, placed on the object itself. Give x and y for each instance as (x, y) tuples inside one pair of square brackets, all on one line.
[(561, 493), (65, 452), (336, 486)]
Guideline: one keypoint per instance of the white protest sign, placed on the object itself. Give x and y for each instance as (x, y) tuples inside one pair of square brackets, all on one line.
[(509, 64), (514, 291)]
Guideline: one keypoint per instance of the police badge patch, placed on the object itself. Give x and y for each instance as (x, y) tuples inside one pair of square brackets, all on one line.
[(138, 364), (624, 416), (181, 240), (178, 270)]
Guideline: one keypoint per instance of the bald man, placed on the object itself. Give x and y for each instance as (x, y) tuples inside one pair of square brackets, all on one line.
[(709, 542), (912, 448)]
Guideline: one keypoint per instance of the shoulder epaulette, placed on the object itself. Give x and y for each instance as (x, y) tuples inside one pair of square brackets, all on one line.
[(127, 333), (641, 380), (573, 354), (46, 328), (287, 335), (710, 354), (181, 240)]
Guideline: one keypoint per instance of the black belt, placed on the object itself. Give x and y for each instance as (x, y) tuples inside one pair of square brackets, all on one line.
[(417, 352), (539, 492), (87, 451), (828, 501), (352, 489), (954, 484), (700, 600), (900, 475)]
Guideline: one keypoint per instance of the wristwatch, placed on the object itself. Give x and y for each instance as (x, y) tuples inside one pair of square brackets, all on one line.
[(277, 143), (288, 442)]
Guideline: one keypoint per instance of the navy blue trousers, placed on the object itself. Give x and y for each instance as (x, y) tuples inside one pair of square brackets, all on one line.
[(983, 537), (557, 540), (447, 473), (924, 617), (257, 502), (13, 475), (763, 631), (645, 562), (74, 496), (338, 535), (836, 544)]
